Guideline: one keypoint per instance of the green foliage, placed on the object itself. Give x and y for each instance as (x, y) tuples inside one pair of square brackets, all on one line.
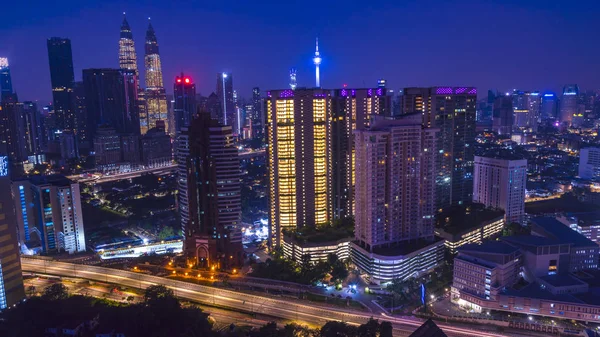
[(339, 229), (55, 292), (166, 232), (161, 297)]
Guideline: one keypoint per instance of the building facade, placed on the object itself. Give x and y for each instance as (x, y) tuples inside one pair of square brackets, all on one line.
[(184, 96), (224, 92), (62, 79), (298, 159), (156, 148), (500, 183), (49, 216), (569, 103), (589, 162)]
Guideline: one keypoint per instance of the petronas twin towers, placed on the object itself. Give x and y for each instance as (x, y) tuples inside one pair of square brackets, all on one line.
[(152, 100)]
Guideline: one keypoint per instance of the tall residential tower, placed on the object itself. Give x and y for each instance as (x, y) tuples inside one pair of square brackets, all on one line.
[(62, 79)]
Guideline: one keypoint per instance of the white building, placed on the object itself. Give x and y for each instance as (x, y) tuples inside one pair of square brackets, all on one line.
[(49, 215), (500, 183), (589, 162)]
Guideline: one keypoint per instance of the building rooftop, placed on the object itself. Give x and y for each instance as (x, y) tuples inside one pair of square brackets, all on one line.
[(491, 247), (55, 180), (405, 248), (535, 290), (428, 329), (562, 280), (461, 219), (504, 154), (531, 240), (559, 231)]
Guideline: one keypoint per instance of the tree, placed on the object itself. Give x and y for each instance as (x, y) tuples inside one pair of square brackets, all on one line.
[(369, 329), (166, 232), (159, 296), (386, 329), (31, 290), (338, 329), (339, 271), (57, 291)]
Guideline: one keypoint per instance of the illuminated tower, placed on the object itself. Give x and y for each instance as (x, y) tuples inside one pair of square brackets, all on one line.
[(127, 56), (317, 61), (155, 95), (6, 90), (293, 83), (298, 159)]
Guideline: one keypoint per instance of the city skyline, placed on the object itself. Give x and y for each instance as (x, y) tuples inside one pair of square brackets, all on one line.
[(476, 42)]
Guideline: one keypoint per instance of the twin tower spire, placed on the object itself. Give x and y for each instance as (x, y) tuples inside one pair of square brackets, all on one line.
[(153, 98)]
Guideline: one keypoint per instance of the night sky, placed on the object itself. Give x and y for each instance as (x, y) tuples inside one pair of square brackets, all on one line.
[(489, 44)]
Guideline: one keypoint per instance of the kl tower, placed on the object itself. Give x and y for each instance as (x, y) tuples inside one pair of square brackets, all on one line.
[(317, 61)]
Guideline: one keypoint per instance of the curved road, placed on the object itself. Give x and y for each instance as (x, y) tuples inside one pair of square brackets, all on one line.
[(287, 309)]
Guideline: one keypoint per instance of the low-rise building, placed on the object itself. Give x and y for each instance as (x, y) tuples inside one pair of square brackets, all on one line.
[(461, 225), (318, 251)]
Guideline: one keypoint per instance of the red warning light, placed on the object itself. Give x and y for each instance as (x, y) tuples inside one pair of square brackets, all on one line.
[(187, 80), (178, 80)]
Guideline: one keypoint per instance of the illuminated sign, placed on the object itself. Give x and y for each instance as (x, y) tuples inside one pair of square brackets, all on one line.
[(3, 166), (569, 94)]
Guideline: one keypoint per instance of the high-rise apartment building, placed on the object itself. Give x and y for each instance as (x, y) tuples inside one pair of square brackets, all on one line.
[(298, 159), (62, 79), (225, 94), (111, 99), (49, 215), (213, 199), (11, 276), (499, 182), (452, 110), (6, 88), (12, 132), (184, 96), (395, 199), (569, 103), (32, 128), (155, 95), (351, 110), (526, 110)]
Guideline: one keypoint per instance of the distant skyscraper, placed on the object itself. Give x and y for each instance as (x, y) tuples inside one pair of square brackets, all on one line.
[(317, 61), (81, 116), (499, 182), (293, 82), (6, 88), (526, 110), (49, 214), (225, 95), (352, 110), (32, 131), (184, 95), (381, 83), (299, 159), (62, 79), (107, 148), (568, 103), (502, 120), (11, 275), (258, 130), (549, 106), (452, 110), (155, 95), (13, 131), (111, 99), (213, 229)]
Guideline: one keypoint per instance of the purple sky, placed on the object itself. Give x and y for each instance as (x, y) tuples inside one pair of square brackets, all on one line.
[(489, 44)]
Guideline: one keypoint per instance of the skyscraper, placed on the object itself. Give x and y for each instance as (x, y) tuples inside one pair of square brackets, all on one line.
[(549, 106), (81, 116), (155, 95), (452, 111), (293, 82), (111, 98), (502, 120), (225, 94), (351, 110), (526, 110), (298, 159), (32, 131), (395, 198), (568, 103), (499, 182), (258, 129), (317, 61), (11, 275), (49, 216), (6, 88), (213, 230), (62, 79), (127, 54), (13, 134), (184, 95)]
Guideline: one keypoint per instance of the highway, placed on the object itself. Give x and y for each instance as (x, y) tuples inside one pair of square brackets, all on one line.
[(281, 308), (121, 176)]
